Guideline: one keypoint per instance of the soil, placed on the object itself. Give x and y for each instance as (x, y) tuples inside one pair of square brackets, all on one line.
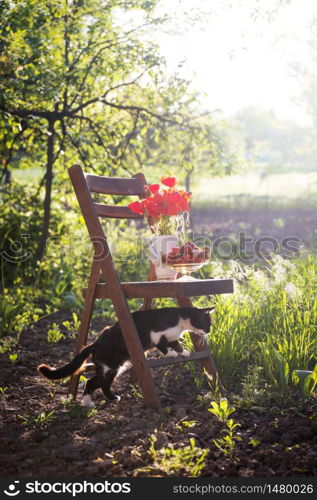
[(114, 440)]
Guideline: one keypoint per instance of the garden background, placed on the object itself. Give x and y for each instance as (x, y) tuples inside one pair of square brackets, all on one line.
[(98, 83)]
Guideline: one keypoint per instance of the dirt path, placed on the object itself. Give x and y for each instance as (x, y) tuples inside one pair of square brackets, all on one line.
[(114, 440)]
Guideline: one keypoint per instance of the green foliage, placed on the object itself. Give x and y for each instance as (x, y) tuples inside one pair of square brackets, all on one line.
[(254, 442), (135, 391), (268, 322), (54, 334), (254, 388), (72, 326), (9, 311), (31, 420), (183, 425), (227, 442), (3, 390), (172, 461), (222, 412), (17, 310), (102, 82), (13, 358), (76, 411), (82, 85), (19, 230)]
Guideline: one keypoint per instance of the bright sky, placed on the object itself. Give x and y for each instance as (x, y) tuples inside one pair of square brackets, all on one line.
[(239, 60)]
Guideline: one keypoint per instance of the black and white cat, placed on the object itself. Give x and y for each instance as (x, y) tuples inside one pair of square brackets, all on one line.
[(160, 328)]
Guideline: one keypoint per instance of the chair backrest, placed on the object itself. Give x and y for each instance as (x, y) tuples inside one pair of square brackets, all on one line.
[(85, 184), (135, 186)]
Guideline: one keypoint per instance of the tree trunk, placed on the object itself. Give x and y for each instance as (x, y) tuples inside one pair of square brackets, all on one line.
[(48, 191)]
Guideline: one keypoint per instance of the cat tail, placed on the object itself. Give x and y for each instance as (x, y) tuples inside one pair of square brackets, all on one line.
[(68, 369)]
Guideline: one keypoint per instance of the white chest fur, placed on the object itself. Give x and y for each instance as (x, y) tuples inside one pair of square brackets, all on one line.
[(174, 332), (171, 334)]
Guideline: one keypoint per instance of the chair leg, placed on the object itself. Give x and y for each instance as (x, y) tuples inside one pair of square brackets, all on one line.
[(147, 304), (85, 323), (140, 368), (200, 344)]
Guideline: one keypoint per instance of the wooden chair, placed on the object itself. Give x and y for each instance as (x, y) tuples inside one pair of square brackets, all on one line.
[(119, 293)]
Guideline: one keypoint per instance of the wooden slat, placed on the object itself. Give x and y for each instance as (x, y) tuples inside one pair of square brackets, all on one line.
[(115, 212), (194, 356), (165, 361), (115, 185), (158, 289)]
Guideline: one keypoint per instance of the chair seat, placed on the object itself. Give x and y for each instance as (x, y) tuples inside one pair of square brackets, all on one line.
[(170, 288)]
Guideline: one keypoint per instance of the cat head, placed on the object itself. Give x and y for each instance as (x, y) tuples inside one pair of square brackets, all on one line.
[(201, 320)]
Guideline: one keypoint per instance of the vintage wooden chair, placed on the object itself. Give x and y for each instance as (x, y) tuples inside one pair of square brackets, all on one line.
[(119, 293)]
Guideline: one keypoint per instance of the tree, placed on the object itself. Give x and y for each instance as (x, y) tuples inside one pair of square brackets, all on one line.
[(77, 86)]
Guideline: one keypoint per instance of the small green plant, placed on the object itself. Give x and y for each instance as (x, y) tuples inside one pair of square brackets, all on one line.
[(254, 388), (13, 358), (17, 310), (75, 410), (42, 418), (54, 388), (221, 410), (188, 459), (54, 334), (186, 424), (227, 442), (276, 365), (3, 390), (254, 442), (8, 313), (198, 377), (135, 391), (72, 326)]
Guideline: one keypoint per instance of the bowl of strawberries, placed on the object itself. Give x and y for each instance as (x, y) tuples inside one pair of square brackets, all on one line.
[(187, 258)]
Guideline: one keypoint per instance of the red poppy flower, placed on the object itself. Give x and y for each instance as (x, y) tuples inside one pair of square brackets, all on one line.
[(168, 181), (153, 205), (154, 188), (136, 207), (163, 203)]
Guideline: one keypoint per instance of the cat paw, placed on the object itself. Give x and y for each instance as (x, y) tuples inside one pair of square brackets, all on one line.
[(185, 353), (171, 354), (114, 397), (86, 401)]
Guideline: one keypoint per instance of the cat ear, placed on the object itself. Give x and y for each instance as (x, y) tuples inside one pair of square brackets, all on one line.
[(209, 310)]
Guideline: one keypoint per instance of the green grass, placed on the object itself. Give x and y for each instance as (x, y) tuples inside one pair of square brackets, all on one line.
[(269, 322), (251, 191)]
